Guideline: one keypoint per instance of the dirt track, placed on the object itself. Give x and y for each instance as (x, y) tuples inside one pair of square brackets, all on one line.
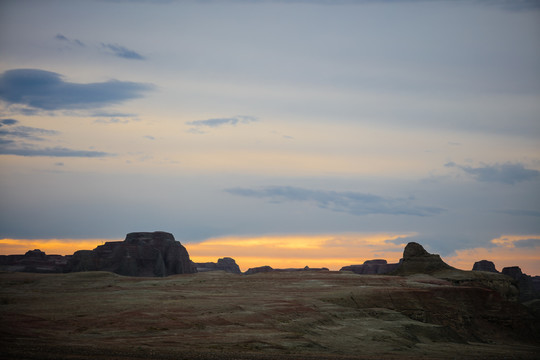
[(301, 315)]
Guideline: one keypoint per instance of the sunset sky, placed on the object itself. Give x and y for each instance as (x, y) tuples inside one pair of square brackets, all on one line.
[(282, 133)]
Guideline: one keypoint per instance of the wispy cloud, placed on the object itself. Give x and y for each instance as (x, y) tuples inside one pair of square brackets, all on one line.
[(7, 122), (23, 132), (69, 41), (51, 152), (47, 90), (123, 52), (507, 173), (14, 141), (354, 203), (197, 125)]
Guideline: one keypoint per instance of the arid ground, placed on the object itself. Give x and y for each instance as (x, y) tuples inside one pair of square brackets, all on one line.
[(286, 315)]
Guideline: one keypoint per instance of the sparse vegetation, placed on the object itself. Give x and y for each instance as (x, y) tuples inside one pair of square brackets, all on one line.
[(306, 315)]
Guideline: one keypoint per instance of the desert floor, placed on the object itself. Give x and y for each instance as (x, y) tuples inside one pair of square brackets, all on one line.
[(217, 315)]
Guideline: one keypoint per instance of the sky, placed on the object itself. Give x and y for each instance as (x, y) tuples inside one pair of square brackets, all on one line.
[(281, 133)]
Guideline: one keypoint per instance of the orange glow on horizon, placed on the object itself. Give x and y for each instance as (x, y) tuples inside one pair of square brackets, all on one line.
[(332, 251), (49, 246)]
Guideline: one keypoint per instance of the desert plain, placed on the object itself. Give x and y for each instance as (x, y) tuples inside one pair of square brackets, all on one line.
[(276, 315)]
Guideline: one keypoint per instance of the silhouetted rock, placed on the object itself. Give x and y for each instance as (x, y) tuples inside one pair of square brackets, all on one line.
[(36, 253), (260, 269), (305, 268), (226, 264), (270, 269), (34, 261), (371, 267), (484, 265), (417, 260), (140, 254), (525, 283)]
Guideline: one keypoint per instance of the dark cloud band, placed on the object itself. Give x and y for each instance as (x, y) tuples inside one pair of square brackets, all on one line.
[(507, 173), (47, 90), (354, 203)]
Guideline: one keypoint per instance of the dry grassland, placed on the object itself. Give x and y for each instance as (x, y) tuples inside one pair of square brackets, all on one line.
[(216, 315)]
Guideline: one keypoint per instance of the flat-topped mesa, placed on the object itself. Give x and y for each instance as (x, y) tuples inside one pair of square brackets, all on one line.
[(484, 265), (371, 267), (417, 260), (140, 254), (226, 264)]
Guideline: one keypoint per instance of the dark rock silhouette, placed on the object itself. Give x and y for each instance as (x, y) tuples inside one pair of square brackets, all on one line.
[(526, 284), (264, 269), (226, 264), (371, 267), (417, 260), (34, 261), (484, 265), (305, 268), (140, 254), (259, 269)]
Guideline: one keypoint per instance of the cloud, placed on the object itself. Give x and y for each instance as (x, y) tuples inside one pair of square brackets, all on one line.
[(528, 243), (8, 122), (47, 90), (507, 173), (217, 122), (51, 152), (23, 132), (64, 39), (122, 52), (353, 203), (14, 141)]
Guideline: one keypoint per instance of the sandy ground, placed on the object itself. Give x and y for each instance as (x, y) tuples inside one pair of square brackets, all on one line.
[(216, 315)]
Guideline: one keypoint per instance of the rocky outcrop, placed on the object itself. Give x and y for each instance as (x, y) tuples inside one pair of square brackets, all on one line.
[(484, 265), (226, 264), (305, 268), (371, 267), (34, 261), (528, 286), (525, 283), (259, 269), (417, 260), (140, 254), (265, 269)]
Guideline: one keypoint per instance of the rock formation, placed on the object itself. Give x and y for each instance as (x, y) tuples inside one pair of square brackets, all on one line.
[(226, 264), (371, 267), (528, 286), (259, 269), (267, 268), (484, 265), (417, 260), (140, 254), (525, 283), (34, 261)]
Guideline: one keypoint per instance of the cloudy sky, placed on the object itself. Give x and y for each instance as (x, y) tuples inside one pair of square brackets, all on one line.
[(282, 133)]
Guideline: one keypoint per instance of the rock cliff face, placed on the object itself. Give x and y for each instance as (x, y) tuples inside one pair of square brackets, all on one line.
[(226, 264), (417, 260), (525, 283), (371, 267), (484, 265), (140, 254)]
